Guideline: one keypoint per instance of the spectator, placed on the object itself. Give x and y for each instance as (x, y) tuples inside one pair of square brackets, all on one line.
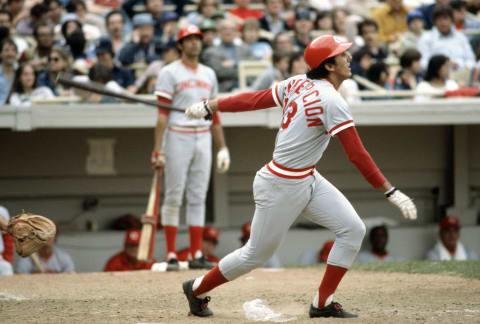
[(436, 78), (274, 261), (55, 11), (52, 258), (339, 23), (102, 74), (8, 55), (243, 12), (368, 30), (310, 257), (378, 253), (205, 10), (6, 22), (224, 58), (296, 64), (409, 39), (276, 72), (6, 247), (444, 39), (302, 28), (411, 73), (126, 260), (115, 23), (142, 49), (283, 43), (391, 19), (16, 8), (38, 55), (105, 55), (209, 243), (58, 61), (272, 20), (76, 43), (250, 36), (361, 62), (25, 88), (449, 246), (38, 16), (209, 31), (460, 18), (169, 28), (91, 26), (324, 21), (378, 74), (70, 23), (153, 7), (427, 11)]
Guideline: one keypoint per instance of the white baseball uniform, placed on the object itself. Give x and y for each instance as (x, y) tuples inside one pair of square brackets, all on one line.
[(187, 143), (289, 185)]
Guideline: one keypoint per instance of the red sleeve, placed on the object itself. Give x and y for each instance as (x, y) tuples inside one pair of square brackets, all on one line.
[(7, 247), (163, 101), (247, 101), (462, 92), (115, 263), (357, 154)]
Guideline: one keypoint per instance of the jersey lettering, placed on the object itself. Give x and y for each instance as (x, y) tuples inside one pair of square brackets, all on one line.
[(288, 118)]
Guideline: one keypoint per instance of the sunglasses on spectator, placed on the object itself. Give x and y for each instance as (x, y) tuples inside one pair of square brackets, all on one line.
[(54, 59)]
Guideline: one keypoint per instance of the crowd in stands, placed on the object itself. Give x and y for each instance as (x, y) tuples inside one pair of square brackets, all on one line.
[(431, 46)]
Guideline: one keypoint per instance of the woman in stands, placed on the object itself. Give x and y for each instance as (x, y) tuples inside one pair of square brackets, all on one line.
[(24, 87), (57, 62)]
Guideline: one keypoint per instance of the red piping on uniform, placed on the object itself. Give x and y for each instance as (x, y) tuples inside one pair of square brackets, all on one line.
[(164, 101), (340, 125), (287, 176), (292, 170)]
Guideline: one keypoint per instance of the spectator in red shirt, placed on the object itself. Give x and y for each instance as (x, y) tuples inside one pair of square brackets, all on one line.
[(242, 11), (209, 243), (127, 259)]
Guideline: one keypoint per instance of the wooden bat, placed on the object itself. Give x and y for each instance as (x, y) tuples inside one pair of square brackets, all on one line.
[(36, 260), (95, 87), (145, 248)]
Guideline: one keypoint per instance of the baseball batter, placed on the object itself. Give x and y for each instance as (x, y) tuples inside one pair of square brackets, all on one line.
[(289, 185), (183, 146)]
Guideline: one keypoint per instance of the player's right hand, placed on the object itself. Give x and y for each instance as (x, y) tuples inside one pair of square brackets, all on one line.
[(148, 219), (403, 202), (158, 159), (199, 110)]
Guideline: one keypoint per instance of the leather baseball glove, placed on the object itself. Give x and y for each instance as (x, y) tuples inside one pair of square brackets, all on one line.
[(30, 232)]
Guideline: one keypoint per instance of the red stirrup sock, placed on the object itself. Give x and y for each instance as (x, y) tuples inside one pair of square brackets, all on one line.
[(170, 238), (212, 279), (196, 237), (332, 277)]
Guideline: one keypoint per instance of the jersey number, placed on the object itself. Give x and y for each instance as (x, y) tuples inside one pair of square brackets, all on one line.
[(288, 118)]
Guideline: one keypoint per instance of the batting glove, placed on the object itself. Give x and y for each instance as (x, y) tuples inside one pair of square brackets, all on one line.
[(223, 160), (199, 110), (403, 202), (158, 159)]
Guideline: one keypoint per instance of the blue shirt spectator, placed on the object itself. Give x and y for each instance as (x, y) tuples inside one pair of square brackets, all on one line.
[(8, 55)]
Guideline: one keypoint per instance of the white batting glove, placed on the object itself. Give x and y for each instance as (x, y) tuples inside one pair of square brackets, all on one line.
[(158, 159), (403, 202), (223, 160), (199, 110)]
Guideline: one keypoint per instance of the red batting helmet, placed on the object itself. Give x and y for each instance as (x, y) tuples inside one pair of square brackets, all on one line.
[(188, 30), (322, 48)]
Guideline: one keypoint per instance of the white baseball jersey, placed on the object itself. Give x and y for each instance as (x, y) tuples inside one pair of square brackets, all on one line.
[(313, 111), (185, 86)]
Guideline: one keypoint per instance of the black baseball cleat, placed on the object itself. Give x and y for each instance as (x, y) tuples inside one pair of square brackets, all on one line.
[(172, 265), (198, 306), (332, 310), (200, 263)]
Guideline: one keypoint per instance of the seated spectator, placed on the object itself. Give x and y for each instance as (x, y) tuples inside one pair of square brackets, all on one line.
[(38, 16), (91, 26), (427, 11), (126, 260), (378, 253), (17, 9), (446, 40), (76, 44), (283, 43), (436, 78), (102, 74), (250, 36), (275, 72), (272, 20), (152, 7), (243, 12), (209, 31), (391, 19), (274, 261), (142, 49), (24, 87), (55, 11), (302, 28), (115, 23), (411, 73), (6, 21), (38, 55), (105, 54), (460, 18), (205, 10), (378, 74), (361, 62), (52, 258), (169, 28), (57, 62), (297, 64), (324, 21), (409, 39), (8, 56), (449, 246), (224, 58), (316, 256), (209, 243), (70, 23), (6, 246), (368, 30), (339, 23)]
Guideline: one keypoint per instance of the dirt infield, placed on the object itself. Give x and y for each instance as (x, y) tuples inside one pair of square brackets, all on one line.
[(145, 297)]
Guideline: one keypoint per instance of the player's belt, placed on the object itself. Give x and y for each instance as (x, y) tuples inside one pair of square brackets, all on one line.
[(189, 130), (289, 173)]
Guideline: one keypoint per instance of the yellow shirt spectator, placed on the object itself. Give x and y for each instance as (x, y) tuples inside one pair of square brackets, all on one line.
[(391, 19)]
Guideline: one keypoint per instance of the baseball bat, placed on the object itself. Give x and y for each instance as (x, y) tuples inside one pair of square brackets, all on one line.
[(95, 87), (144, 249), (36, 260)]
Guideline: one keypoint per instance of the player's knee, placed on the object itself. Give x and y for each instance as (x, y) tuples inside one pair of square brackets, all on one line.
[(170, 215), (358, 233)]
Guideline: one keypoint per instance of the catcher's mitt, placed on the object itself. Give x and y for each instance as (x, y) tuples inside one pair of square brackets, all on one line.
[(30, 232)]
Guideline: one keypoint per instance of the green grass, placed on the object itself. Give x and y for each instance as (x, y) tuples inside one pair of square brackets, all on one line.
[(467, 269)]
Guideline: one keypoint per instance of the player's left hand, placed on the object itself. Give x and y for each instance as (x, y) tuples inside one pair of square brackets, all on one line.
[(223, 160), (199, 110), (403, 202)]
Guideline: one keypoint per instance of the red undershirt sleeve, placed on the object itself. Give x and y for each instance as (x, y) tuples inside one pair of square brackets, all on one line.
[(247, 101), (163, 101), (358, 155)]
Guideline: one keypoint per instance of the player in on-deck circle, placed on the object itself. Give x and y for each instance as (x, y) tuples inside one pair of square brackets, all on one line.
[(183, 147), (289, 185)]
